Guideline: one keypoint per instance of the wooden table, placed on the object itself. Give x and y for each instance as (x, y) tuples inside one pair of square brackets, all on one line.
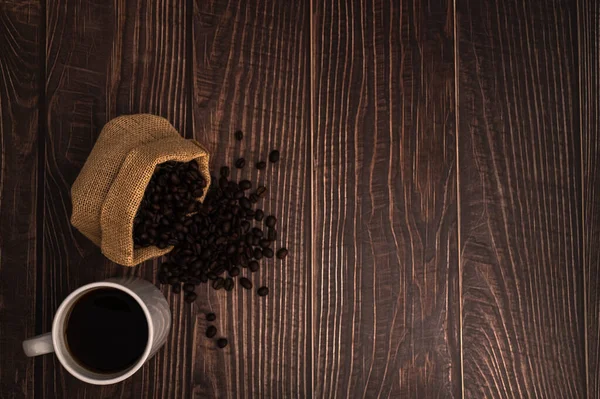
[(439, 189)]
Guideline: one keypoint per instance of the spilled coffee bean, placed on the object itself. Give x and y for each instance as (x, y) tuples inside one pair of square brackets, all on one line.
[(240, 163), (222, 342), (247, 284), (211, 331), (274, 156)]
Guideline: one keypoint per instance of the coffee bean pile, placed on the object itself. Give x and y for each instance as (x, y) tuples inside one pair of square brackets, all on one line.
[(221, 239), (170, 196), (214, 241)]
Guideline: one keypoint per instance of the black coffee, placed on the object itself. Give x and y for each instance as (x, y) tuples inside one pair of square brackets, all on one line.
[(106, 330)]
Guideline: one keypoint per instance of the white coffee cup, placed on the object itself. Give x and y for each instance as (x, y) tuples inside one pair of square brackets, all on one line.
[(150, 299)]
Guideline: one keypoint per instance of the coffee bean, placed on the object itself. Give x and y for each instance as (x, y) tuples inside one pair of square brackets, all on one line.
[(261, 191), (211, 317), (247, 284), (245, 184), (222, 342), (211, 276), (211, 331), (218, 284), (189, 287), (239, 135), (245, 203), (274, 156), (263, 291), (270, 221), (253, 266), (261, 165), (224, 171), (257, 254), (228, 284), (257, 232), (265, 243), (234, 271), (282, 253), (240, 163), (176, 288), (268, 253), (190, 297)]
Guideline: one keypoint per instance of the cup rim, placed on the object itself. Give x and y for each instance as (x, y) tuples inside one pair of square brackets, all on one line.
[(59, 319)]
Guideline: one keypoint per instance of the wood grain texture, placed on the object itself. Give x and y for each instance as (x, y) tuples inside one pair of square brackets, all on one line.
[(520, 200), (251, 72), (588, 28), (20, 48), (386, 267), (105, 59)]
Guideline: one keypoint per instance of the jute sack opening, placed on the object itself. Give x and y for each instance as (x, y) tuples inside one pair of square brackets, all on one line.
[(109, 189)]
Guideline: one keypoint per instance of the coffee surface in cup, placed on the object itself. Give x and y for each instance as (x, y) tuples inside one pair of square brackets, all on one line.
[(106, 330)]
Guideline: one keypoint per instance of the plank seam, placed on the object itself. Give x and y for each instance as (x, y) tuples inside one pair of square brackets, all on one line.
[(458, 219), (583, 221), (38, 370)]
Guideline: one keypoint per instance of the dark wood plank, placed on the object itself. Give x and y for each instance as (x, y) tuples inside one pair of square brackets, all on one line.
[(251, 72), (105, 59), (588, 28), (21, 36), (520, 200), (386, 267)]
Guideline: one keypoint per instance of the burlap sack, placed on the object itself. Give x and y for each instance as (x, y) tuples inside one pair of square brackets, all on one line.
[(110, 187)]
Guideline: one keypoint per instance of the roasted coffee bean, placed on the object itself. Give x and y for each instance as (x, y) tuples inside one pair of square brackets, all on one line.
[(259, 215), (211, 331), (222, 342), (234, 271), (274, 156), (270, 221), (176, 288), (265, 243), (224, 171), (257, 254), (211, 317), (218, 284), (268, 252), (261, 165), (190, 297), (263, 291), (253, 266), (257, 232), (282, 253), (261, 191), (245, 203), (245, 184), (173, 280), (271, 234), (239, 135), (189, 287), (247, 284), (240, 163), (228, 285)]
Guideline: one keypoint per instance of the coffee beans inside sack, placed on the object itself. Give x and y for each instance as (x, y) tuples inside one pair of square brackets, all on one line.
[(111, 185)]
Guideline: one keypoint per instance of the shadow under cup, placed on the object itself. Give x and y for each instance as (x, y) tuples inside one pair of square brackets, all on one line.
[(101, 334)]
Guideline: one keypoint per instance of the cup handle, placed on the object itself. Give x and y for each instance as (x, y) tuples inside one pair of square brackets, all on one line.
[(39, 345)]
